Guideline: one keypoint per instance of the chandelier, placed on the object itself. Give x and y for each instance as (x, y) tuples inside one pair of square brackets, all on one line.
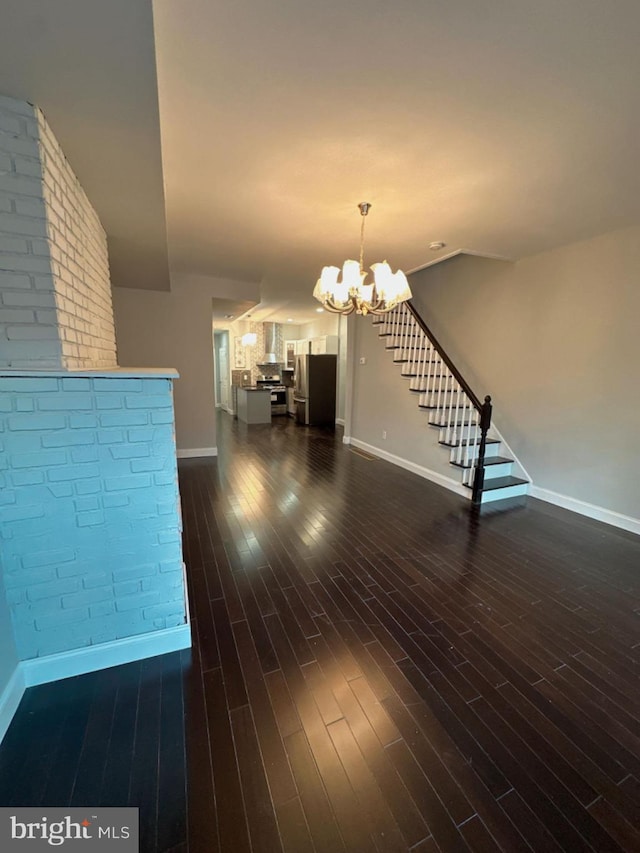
[(352, 294)]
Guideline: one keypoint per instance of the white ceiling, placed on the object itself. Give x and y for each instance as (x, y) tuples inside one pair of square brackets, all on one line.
[(500, 128)]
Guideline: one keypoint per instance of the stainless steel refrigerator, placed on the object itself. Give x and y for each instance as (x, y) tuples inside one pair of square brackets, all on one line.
[(315, 389)]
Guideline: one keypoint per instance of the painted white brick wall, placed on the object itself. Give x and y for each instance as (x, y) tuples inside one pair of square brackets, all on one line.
[(90, 545), (80, 262), (28, 320), (55, 293)]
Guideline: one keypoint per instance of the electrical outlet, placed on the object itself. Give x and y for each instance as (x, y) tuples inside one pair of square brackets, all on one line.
[(384, 433), (363, 360)]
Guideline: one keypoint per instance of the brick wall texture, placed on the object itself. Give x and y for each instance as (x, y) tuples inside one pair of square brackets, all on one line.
[(55, 308), (89, 510)]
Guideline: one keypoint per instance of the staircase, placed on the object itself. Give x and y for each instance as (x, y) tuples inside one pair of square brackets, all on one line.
[(462, 420)]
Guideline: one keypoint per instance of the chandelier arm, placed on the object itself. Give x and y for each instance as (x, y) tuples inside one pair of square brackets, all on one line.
[(331, 307)]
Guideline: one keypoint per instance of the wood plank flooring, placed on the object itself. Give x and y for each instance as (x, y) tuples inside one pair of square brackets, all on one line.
[(375, 668)]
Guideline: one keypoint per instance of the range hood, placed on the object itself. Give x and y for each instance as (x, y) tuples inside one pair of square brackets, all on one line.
[(270, 332)]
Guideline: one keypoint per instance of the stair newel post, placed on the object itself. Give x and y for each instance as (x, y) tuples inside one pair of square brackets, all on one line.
[(485, 423)]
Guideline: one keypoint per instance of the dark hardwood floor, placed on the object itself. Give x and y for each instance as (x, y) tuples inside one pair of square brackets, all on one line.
[(374, 668)]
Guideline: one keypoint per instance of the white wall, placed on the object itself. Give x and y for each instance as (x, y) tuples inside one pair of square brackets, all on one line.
[(174, 330), (326, 324)]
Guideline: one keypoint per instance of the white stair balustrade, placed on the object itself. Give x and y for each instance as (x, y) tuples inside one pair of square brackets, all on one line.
[(452, 409)]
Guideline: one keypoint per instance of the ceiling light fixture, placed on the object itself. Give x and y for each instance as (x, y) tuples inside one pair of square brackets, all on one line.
[(352, 294)]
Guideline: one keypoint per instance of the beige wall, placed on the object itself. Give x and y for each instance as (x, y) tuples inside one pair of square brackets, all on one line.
[(555, 340), (159, 329), (382, 401)]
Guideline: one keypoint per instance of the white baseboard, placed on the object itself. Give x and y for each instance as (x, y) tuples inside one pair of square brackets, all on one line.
[(420, 470), (91, 658), (346, 439), (193, 452), (340, 421), (599, 513), (10, 699)]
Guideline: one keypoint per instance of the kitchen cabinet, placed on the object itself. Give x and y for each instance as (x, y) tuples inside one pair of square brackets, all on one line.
[(324, 345), (302, 346)]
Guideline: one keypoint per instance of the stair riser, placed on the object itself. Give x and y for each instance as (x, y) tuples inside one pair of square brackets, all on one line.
[(408, 355), (408, 342), (389, 330), (504, 469), (457, 433), (418, 384), (490, 450), (491, 472), (443, 401), (503, 494)]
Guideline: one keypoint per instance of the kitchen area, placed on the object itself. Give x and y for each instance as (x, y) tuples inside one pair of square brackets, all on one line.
[(296, 377)]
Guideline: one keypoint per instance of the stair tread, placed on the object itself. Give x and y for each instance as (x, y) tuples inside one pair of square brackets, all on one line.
[(453, 424), (488, 460), (501, 483), (417, 376), (465, 442), (423, 391)]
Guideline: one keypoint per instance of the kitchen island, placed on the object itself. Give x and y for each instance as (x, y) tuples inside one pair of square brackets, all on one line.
[(254, 405)]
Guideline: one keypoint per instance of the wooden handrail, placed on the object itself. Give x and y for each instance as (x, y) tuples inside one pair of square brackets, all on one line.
[(443, 355)]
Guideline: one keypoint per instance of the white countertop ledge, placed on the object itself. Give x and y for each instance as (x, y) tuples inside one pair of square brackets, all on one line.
[(104, 373)]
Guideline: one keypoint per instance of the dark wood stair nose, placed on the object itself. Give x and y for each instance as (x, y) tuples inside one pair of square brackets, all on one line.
[(500, 483), (488, 461), (464, 442)]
